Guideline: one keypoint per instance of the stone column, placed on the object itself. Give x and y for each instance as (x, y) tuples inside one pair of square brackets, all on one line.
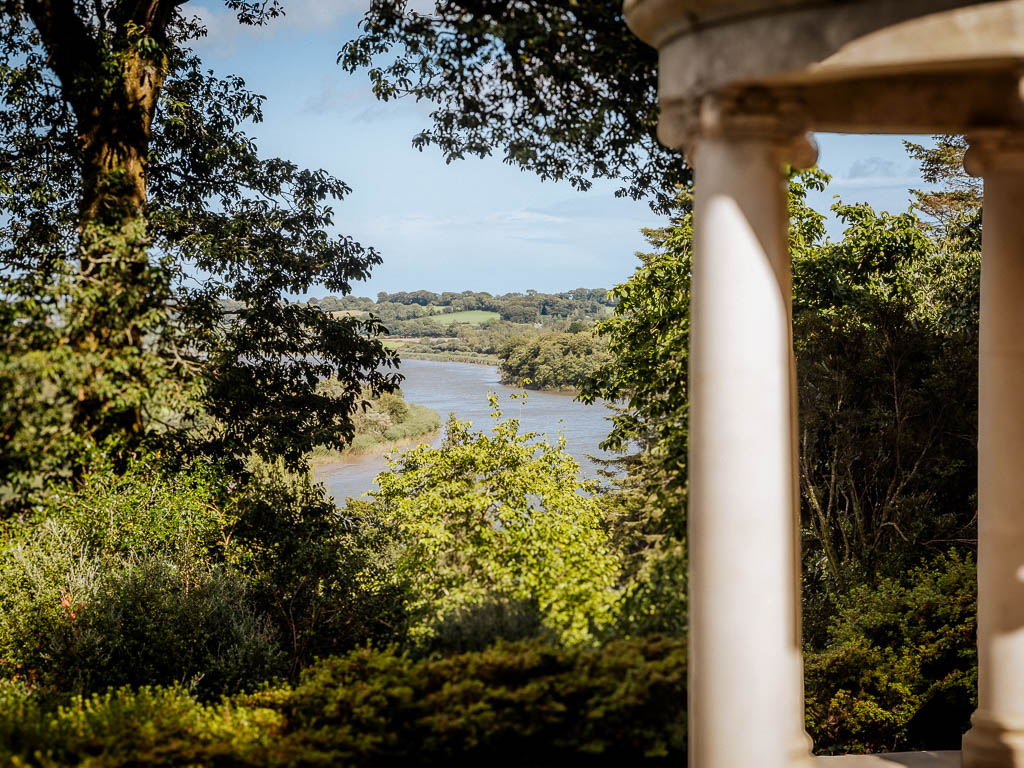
[(746, 676), (996, 738)]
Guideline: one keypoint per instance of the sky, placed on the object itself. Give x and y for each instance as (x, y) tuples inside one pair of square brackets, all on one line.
[(475, 224)]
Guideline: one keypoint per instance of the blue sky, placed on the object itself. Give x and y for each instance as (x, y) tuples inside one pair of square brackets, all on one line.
[(475, 224)]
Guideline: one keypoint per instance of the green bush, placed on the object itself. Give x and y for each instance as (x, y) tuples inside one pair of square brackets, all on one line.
[(900, 669), (153, 576), (320, 574), (552, 360), (380, 421), (150, 726), (124, 581), (419, 420), (522, 704), (504, 516), (478, 626)]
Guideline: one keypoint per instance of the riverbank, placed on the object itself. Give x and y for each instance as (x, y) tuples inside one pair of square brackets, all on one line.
[(448, 387), (567, 391), (325, 460), (389, 423), (451, 357)]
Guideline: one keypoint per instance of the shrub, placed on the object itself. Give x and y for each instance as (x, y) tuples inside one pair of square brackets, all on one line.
[(419, 420), (150, 726), (522, 704), (318, 573), (477, 626), (379, 421), (900, 671), (124, 581), (155, 577)]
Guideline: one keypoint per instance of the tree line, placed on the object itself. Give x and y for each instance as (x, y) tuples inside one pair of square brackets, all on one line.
[(526, 307)]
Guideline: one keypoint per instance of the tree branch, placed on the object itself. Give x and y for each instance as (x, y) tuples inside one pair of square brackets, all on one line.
[(71, 48)]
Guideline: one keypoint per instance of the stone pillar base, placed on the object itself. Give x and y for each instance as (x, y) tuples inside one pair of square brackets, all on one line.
[(990, 744), (803, 750)]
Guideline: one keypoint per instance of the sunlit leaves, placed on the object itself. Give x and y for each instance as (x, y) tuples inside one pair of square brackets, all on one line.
[(499, 516)]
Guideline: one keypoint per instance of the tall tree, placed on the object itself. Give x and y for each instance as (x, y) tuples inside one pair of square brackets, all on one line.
[(887, 382), (561, 87), (134, 210), (953, 205), (506, 527), (885, 324)]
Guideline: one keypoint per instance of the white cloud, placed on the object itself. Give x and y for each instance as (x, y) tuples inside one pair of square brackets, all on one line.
[(332, 97), (508, 226), (318, 14), (339, 94), (226, 37), (225, 34), (878, 173), (873, 166), (877, 182), (519, 224)]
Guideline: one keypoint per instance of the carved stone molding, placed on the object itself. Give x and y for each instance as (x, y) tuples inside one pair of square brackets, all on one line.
[(994, 151), (751, 114)]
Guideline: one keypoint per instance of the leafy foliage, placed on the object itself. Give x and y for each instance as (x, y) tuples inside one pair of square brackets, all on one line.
[(513, 704), (379, 421), (648, 339), (150, 576), (887, 398), (148, 726), (885, 332), (954, 209), (320, 575), (500, 517), (900, 669), (562, 88), (552, 360), (152, 209), (126, 581)]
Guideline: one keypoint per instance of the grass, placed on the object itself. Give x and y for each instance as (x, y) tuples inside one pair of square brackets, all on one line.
[(470, 317), (348, 313), (477, 358), (421, 422)]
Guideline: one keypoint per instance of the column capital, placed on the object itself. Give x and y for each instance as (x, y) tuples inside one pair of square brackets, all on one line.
[(749, 114), (994, 151)]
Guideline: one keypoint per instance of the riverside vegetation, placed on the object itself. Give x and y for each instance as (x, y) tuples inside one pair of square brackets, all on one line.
[(381, 423), (537, 340), (173, 588)]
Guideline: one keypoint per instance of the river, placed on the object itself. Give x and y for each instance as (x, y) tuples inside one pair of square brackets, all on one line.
[(462, 388)]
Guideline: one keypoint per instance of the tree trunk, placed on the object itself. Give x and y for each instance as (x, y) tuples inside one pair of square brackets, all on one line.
[(111, 72)]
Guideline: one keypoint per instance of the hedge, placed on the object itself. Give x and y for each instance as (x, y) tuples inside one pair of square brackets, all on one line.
[(516, 704)]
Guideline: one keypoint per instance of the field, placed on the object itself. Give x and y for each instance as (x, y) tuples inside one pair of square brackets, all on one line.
[(471, 317), (348, 313), (420, 423)]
